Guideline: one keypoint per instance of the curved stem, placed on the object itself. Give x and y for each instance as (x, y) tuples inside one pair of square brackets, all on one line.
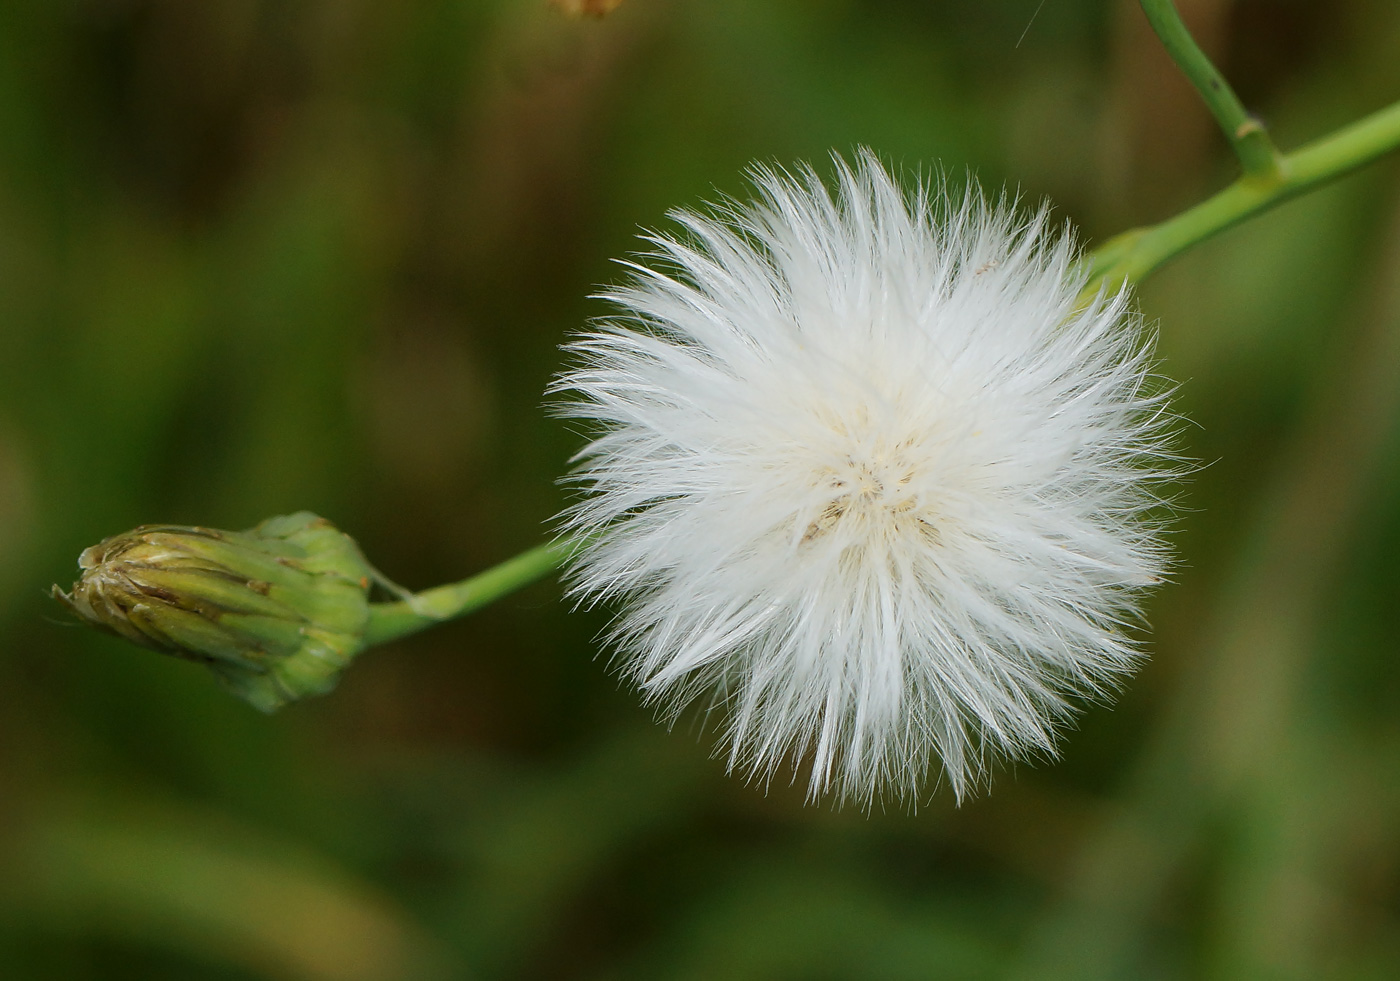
[(1134, 254), (390, 621), (1246, 133), (1128, 257)]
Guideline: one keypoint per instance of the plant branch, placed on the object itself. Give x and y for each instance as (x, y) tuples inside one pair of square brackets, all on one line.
[(1134, 254), (1247, 135), (1128, 257), (390, 621)]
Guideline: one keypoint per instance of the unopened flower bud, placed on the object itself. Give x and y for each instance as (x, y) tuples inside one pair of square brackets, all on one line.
[(276, 612)]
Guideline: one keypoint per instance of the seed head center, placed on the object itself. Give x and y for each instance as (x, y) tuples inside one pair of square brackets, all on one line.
[(868, 488)]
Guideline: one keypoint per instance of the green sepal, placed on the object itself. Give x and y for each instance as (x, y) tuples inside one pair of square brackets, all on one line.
[(218, 592), (194, 636)]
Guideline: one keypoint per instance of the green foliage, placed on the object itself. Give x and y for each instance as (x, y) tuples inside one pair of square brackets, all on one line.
[(257, 257)]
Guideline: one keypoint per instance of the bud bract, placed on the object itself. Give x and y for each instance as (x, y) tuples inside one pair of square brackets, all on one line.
[(276, 612)]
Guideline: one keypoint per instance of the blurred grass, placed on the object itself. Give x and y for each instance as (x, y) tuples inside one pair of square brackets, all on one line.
[(257, 256)]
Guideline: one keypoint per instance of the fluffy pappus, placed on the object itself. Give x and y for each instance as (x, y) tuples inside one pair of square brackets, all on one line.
[(869, 477)]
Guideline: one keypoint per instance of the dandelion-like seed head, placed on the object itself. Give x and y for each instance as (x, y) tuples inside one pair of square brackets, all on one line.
[(869, 477)]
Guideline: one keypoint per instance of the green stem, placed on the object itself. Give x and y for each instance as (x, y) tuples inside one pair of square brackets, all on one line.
[(1130, 256), (390, 621), (1134, 254), (1246, 133)]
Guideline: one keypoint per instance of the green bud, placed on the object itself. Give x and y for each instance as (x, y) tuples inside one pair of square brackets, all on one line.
[(276, 612)]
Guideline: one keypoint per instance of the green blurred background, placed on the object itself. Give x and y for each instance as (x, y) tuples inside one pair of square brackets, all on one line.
[(258, 256)]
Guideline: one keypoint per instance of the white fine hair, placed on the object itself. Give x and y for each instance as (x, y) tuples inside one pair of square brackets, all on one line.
[(867, 475)]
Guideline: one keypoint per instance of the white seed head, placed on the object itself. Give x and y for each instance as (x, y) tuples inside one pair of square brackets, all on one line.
[(868, 477)]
